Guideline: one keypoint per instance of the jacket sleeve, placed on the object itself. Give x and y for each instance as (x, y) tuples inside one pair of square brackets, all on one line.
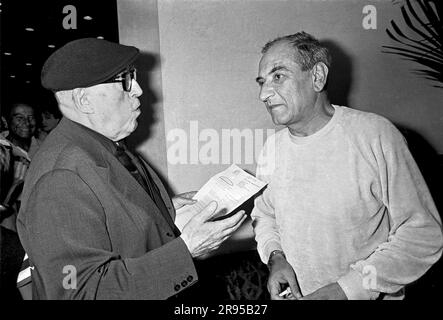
[(66, 237), (415, 239)]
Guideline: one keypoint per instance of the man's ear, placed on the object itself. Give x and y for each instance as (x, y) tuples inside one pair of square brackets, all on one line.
[(81, 100), (319, 76)]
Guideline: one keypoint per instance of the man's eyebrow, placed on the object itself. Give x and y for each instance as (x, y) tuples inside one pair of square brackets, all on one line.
[(276, 68)]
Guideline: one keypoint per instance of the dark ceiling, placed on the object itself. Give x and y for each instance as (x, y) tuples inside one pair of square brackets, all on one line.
[(23, 52)]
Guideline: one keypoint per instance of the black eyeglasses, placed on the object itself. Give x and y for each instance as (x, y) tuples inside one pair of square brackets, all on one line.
[(125, 78)]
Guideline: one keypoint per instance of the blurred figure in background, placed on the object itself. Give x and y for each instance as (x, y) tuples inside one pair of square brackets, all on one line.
[(50, 117), (15, 144), (14, 156)]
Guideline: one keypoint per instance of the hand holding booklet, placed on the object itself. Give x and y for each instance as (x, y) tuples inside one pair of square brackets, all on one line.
[(229, 188)]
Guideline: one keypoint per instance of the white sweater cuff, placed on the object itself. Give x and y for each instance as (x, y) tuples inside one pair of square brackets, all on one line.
[(352, 285), (268, 249)]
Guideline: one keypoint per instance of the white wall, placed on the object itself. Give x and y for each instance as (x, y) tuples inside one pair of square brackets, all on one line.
[(210, 51), (209, 54), (138, 26)]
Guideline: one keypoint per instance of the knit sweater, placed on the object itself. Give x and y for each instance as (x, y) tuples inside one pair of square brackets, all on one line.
[(347, 204)]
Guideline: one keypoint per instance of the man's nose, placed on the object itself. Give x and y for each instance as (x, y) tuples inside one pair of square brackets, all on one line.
[(265, 92), (136, 90)]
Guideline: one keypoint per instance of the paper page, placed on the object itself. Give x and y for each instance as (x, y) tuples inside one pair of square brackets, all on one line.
[(229, 188)]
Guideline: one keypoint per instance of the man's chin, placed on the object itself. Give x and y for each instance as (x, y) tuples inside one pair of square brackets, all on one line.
[(277, 122), (135, 125)]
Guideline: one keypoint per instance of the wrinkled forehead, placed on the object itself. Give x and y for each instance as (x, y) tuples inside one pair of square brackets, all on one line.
[(280, 54)]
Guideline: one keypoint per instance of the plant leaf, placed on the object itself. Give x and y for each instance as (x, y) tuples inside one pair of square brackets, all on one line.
[(427, 49), (424, 25), (409, 23), (438, 58)]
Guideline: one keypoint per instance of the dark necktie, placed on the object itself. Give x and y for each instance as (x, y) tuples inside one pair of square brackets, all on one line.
[(125, 159), (134, 165)]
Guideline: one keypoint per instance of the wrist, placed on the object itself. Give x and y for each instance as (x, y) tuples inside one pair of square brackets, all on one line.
[(275, 256), (185, 239)]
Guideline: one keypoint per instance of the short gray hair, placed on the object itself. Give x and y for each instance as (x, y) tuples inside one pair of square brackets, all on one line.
[(310, 50)]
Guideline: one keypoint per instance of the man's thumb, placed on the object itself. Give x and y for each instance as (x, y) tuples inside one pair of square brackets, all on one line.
[(185, 201), (296, 290), (179, 202), (208, 211)]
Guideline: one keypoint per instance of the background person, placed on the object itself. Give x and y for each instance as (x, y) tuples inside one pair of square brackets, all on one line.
[(14, 162), (50, 116), (14, 157)]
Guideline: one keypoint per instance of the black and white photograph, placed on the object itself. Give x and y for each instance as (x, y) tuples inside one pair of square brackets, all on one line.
[(221, 154)]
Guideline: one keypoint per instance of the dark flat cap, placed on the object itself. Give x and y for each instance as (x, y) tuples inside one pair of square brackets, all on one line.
[(85, 62)]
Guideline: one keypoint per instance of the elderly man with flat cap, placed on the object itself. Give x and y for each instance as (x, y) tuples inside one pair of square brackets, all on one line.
[(95, 220)]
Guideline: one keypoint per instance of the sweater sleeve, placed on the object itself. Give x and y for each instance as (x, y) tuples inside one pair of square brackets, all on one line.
[(66, 234), (415, 239), (263, 216)]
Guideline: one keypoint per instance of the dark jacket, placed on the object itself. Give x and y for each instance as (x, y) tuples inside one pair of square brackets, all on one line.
[(90, 229)]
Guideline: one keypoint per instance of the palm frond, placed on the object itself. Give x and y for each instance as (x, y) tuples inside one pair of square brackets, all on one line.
[(423, 61), (428, 55), (425, 47), (421, 44), (434, 15), (430, 75), (432, 37)]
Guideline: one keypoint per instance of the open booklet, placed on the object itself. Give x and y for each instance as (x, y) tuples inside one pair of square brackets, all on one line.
[(229, 188)]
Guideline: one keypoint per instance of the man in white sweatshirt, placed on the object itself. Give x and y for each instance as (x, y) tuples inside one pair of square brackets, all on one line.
[(346, 213)]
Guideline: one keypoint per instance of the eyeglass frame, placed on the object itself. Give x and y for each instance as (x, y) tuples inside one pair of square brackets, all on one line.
[(125, 78)]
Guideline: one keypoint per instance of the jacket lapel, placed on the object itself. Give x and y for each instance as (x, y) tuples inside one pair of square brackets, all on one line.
[(112, 171), (163, 193), (122, 180)]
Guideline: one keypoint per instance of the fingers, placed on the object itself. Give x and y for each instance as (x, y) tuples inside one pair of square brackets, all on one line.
[(274, 290), (207, 212), (224, 234), (235, 224), (180, 201), (229, 231), (293, 284), (235, 219), (295, 290), (291, 297), (188, 195), (185, 201), (184, 198), (282, 274)]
